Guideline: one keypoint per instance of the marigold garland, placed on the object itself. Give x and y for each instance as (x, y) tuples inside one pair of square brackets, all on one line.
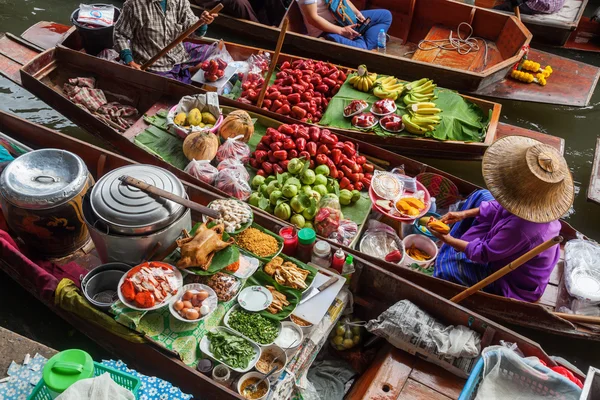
[(532, 66)]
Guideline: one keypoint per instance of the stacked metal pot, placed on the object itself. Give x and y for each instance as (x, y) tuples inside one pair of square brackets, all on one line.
[(128, 225)]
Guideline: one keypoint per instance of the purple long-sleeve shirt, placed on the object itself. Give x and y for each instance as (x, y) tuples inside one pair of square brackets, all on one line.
[(501, 237)]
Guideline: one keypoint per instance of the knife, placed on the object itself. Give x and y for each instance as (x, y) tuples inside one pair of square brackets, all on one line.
[(315, 291)]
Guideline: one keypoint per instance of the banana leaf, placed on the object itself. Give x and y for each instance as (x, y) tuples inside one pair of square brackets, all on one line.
[(260, 278), (221, 259), (162, 144)]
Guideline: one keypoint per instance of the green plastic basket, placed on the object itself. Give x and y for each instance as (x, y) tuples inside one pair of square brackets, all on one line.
[(129, 382)]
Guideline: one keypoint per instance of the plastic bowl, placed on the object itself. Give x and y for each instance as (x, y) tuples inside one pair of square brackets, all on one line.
[(277, 352), (182, 132), (252, 374), (416, 226), (211, 300), (290, 350), (421, 242)]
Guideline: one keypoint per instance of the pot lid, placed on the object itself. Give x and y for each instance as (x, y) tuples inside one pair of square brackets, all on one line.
[(43, 178), (126, 208)]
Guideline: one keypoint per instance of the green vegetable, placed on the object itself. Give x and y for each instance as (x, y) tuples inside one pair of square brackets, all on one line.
[(298, 220), (283, 211), (307, 190), (274, 196), (295, 166), (263, 189), (254, 326), (299, 203), (355, 196), (308, 177), (272, 186), (294, 181), (233, 350), (254, 198), (308, 224), (322, 170), (270, 179), (289, 191), (309, 214), (257, 181), (320, 180), (321, 189), (345, 197)]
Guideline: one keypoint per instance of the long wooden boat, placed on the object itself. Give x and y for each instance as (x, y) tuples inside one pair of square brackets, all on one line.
[(402, 144), (414, 21), (45, 76), (593, 193), (374, 289)]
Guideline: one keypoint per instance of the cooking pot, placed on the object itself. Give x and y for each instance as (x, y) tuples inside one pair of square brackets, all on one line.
[(41, 194), (128, 225), (100, 285)]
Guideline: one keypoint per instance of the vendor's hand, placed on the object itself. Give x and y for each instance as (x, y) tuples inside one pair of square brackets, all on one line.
[(207, 18), (360, 17), (443, 238), (452, 217), (349, 32), (135, 65)]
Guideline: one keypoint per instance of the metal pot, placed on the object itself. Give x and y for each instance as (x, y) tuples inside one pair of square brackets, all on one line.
[(41, 194), (100, 285)]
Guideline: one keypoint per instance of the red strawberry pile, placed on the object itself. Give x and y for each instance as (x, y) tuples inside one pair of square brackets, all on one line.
[(302, 89), (320, 146), (213, 69)]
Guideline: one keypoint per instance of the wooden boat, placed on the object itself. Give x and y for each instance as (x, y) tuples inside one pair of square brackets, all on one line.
[(404, 145), (375, 289), (415, 21), (45, 75), (593, 193)]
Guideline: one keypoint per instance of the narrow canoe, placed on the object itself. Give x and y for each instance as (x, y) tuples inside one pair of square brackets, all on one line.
[(415, 21), (374, 289), (593, 193), (45, 75)]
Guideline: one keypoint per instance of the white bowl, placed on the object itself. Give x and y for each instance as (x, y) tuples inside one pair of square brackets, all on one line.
[(290, 350), (306, 330), (278, 352), (226, 323), (253, 374), (211, 301), (421, 242)]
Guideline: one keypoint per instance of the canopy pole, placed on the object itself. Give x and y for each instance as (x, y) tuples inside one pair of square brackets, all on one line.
[(282, 33)]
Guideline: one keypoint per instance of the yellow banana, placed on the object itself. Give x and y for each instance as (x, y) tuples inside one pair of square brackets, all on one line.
[(411, 126), (415, 84), (397, 86), (425, 105), (423, 121), (428, 111), (353, 79)]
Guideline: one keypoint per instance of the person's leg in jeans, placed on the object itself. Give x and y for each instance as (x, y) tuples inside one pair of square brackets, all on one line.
[(359, 42), (380, 19)]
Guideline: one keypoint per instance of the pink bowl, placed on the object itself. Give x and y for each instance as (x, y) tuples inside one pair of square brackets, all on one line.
[(393, 213), (182, 133)]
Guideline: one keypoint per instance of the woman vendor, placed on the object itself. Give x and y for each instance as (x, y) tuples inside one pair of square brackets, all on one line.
[(146, 27), (530, 188)]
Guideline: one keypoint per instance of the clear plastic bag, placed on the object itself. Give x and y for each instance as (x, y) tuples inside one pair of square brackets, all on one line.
[(234, 165), (328, 218), (347, 230), (380, 239), (202, 170), (582, 270), (231, 182), (225, 286), (234, 148)]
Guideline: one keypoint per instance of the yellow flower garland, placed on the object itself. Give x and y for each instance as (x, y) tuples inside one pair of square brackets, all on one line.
[(527, 77)]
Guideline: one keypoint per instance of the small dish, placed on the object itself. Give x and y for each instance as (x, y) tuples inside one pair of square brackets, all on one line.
[(253, 375), (211, 301), (255, 298), (391, 118), (355, 107), (366, 118), (384, 104)]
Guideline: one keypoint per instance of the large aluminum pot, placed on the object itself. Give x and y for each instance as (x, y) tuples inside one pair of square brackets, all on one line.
[(41, 195)]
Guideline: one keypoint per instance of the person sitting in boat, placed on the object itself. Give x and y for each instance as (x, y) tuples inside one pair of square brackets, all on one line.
[(531, 7), (338, 21), (530, 188), (147, 27)]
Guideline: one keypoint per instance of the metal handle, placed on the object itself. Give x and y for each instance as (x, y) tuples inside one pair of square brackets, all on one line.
[(45, 179)]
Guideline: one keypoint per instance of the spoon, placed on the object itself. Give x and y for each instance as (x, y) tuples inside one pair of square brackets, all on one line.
[(252, 388)]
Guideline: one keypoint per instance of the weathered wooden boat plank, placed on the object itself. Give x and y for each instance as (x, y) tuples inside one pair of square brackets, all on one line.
[(445, 382), (571, 83), (16, 50), (594, 187), (45, 34), (510, 130), (10, 69), (586, 37)]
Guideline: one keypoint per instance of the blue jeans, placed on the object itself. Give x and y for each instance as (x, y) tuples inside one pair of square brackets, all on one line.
[(380, 19)]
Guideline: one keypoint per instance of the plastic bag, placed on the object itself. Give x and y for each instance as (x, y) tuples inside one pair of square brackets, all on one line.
[(327, 220), (234, 165), (202, 170), (380, 239), (225, 285), (345, 232), (234, 148), (231, 182), (253, 80), (582, 270), (96, 15)]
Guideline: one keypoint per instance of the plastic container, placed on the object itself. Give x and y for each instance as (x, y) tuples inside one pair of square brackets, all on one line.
[(205, 366), (421, 242), (95, 39), (222, 375), (270, 353), (337, 261), (321, 254), (123, 379), (225, 286), (419, 229), (66, 368), (381, 41), (306, 241), (253, 375), (290, 240), (348, 269)]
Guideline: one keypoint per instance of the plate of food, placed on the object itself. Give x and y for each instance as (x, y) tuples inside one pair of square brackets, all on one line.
[(259, 242), (235, 214), (355, 107), (383, 107), (193, 303), (149, 286), (392, 123), (365, 120), (253, 326), (289, 272), (405, 210), (226, 346)]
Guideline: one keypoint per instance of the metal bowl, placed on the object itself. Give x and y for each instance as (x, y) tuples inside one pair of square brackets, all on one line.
[(100, 285)]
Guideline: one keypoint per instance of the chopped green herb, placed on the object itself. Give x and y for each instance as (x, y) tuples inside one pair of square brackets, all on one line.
[(254, 326), (233, 350)]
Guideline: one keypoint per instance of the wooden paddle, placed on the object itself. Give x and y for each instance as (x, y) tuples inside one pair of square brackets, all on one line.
[(263, 91), (179, 39), (584, 319), (505, 270), (150, 189), (518, 12)]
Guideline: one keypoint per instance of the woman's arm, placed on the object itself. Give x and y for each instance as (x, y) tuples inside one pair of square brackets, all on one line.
[(125, 31), (357, 12), (310, 13)]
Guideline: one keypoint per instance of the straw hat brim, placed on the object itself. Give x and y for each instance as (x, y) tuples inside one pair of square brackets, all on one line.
[(513, 172)]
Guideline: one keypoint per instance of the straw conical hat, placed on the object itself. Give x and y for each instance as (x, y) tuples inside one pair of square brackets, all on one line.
[(528, 178)]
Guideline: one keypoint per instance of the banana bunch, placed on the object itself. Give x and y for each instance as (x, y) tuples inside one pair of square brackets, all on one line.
[(388, 88), (422, 117), (419, 91), (363, 80)]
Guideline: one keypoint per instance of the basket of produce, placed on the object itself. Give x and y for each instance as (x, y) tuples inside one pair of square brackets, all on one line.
[(252, 326), (195, 114), (149, 286), (226, 346), (195, 302)]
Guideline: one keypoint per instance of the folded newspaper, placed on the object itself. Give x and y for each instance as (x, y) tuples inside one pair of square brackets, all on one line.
[(411, 329)]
